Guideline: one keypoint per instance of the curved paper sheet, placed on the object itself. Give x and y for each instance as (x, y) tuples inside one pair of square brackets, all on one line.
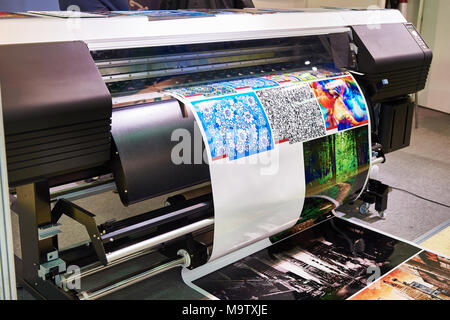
[(275, 163)]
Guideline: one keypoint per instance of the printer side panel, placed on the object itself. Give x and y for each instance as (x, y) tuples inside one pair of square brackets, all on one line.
[(394, 62), (57, 110), (394, 59)]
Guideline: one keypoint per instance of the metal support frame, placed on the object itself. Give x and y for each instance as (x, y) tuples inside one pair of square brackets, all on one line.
[(416, 110), (7, 272), (85, 218), (88, 220), (33, 208), (85, 190), (33, 203)]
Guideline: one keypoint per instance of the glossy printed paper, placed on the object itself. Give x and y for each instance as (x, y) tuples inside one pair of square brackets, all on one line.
[(235, 126), (330, 261), (293, 112), (424, 277), (341, 102), (248, 120)]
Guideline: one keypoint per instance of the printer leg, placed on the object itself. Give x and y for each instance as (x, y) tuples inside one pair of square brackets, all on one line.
[(33, 208), (416, 110), (376, 193)]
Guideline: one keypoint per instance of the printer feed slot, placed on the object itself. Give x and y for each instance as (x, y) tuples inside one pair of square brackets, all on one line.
[(130, 71)]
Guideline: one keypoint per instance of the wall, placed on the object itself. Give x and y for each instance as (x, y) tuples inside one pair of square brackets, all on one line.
[(435, 32), (315, 3), (413, 10), (25, 5), (413, 5)]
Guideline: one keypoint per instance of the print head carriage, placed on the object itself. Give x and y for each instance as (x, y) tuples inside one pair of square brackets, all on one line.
[(341, 103)]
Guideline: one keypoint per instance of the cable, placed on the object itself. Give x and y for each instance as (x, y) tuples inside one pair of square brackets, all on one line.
[(420, 197)]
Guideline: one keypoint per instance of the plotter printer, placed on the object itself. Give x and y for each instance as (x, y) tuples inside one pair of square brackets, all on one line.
[(84, 98)]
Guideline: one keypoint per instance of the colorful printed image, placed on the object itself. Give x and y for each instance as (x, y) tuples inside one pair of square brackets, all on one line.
[(12, 15), (303, 76), (235, 126), (336, 170), (424, 277), (165, 13), (283, 10), (329, 73), (282, 78), (70, 14), (253, 83), (254, 11), (330, 261), (336, 166), (220, 11), (293, 112), (315, 210), (207, 90), (341, 102)]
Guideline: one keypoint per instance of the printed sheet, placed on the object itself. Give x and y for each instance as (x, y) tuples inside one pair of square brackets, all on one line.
[(424, 277), (255, 131), (330, 261)]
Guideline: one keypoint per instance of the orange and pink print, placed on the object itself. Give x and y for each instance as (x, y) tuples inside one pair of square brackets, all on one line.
[(341, 102)]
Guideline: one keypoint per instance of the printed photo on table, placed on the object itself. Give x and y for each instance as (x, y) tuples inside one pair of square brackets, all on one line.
[(424, 277), (330, 261)]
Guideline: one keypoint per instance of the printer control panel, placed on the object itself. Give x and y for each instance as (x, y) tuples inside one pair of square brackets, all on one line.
[(412, 30)]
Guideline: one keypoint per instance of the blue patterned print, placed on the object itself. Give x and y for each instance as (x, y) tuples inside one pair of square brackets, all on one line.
[(254, 83), (207, 90), (235, 126), (281, 78), (165, 13), (303, 76)]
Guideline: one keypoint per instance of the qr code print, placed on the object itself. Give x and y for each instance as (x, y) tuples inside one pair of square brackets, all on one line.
[(293, 113)]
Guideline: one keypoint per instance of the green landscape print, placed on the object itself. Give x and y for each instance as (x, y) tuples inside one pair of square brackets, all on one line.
[(336, 167)]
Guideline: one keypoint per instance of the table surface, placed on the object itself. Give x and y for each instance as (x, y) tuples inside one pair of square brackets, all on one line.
[(439, 243)]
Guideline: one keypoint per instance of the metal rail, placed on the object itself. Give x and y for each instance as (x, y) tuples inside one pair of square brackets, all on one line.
[(189, 56), (184, 260), (152, 242), (7, 271), (95, 268), (84, 190), (195, 69), (137, 250)]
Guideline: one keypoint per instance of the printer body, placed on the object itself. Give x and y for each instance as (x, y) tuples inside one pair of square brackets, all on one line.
[(85, 111)]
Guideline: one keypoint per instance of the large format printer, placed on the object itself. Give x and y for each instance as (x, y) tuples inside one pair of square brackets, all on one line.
[(84, 98)]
